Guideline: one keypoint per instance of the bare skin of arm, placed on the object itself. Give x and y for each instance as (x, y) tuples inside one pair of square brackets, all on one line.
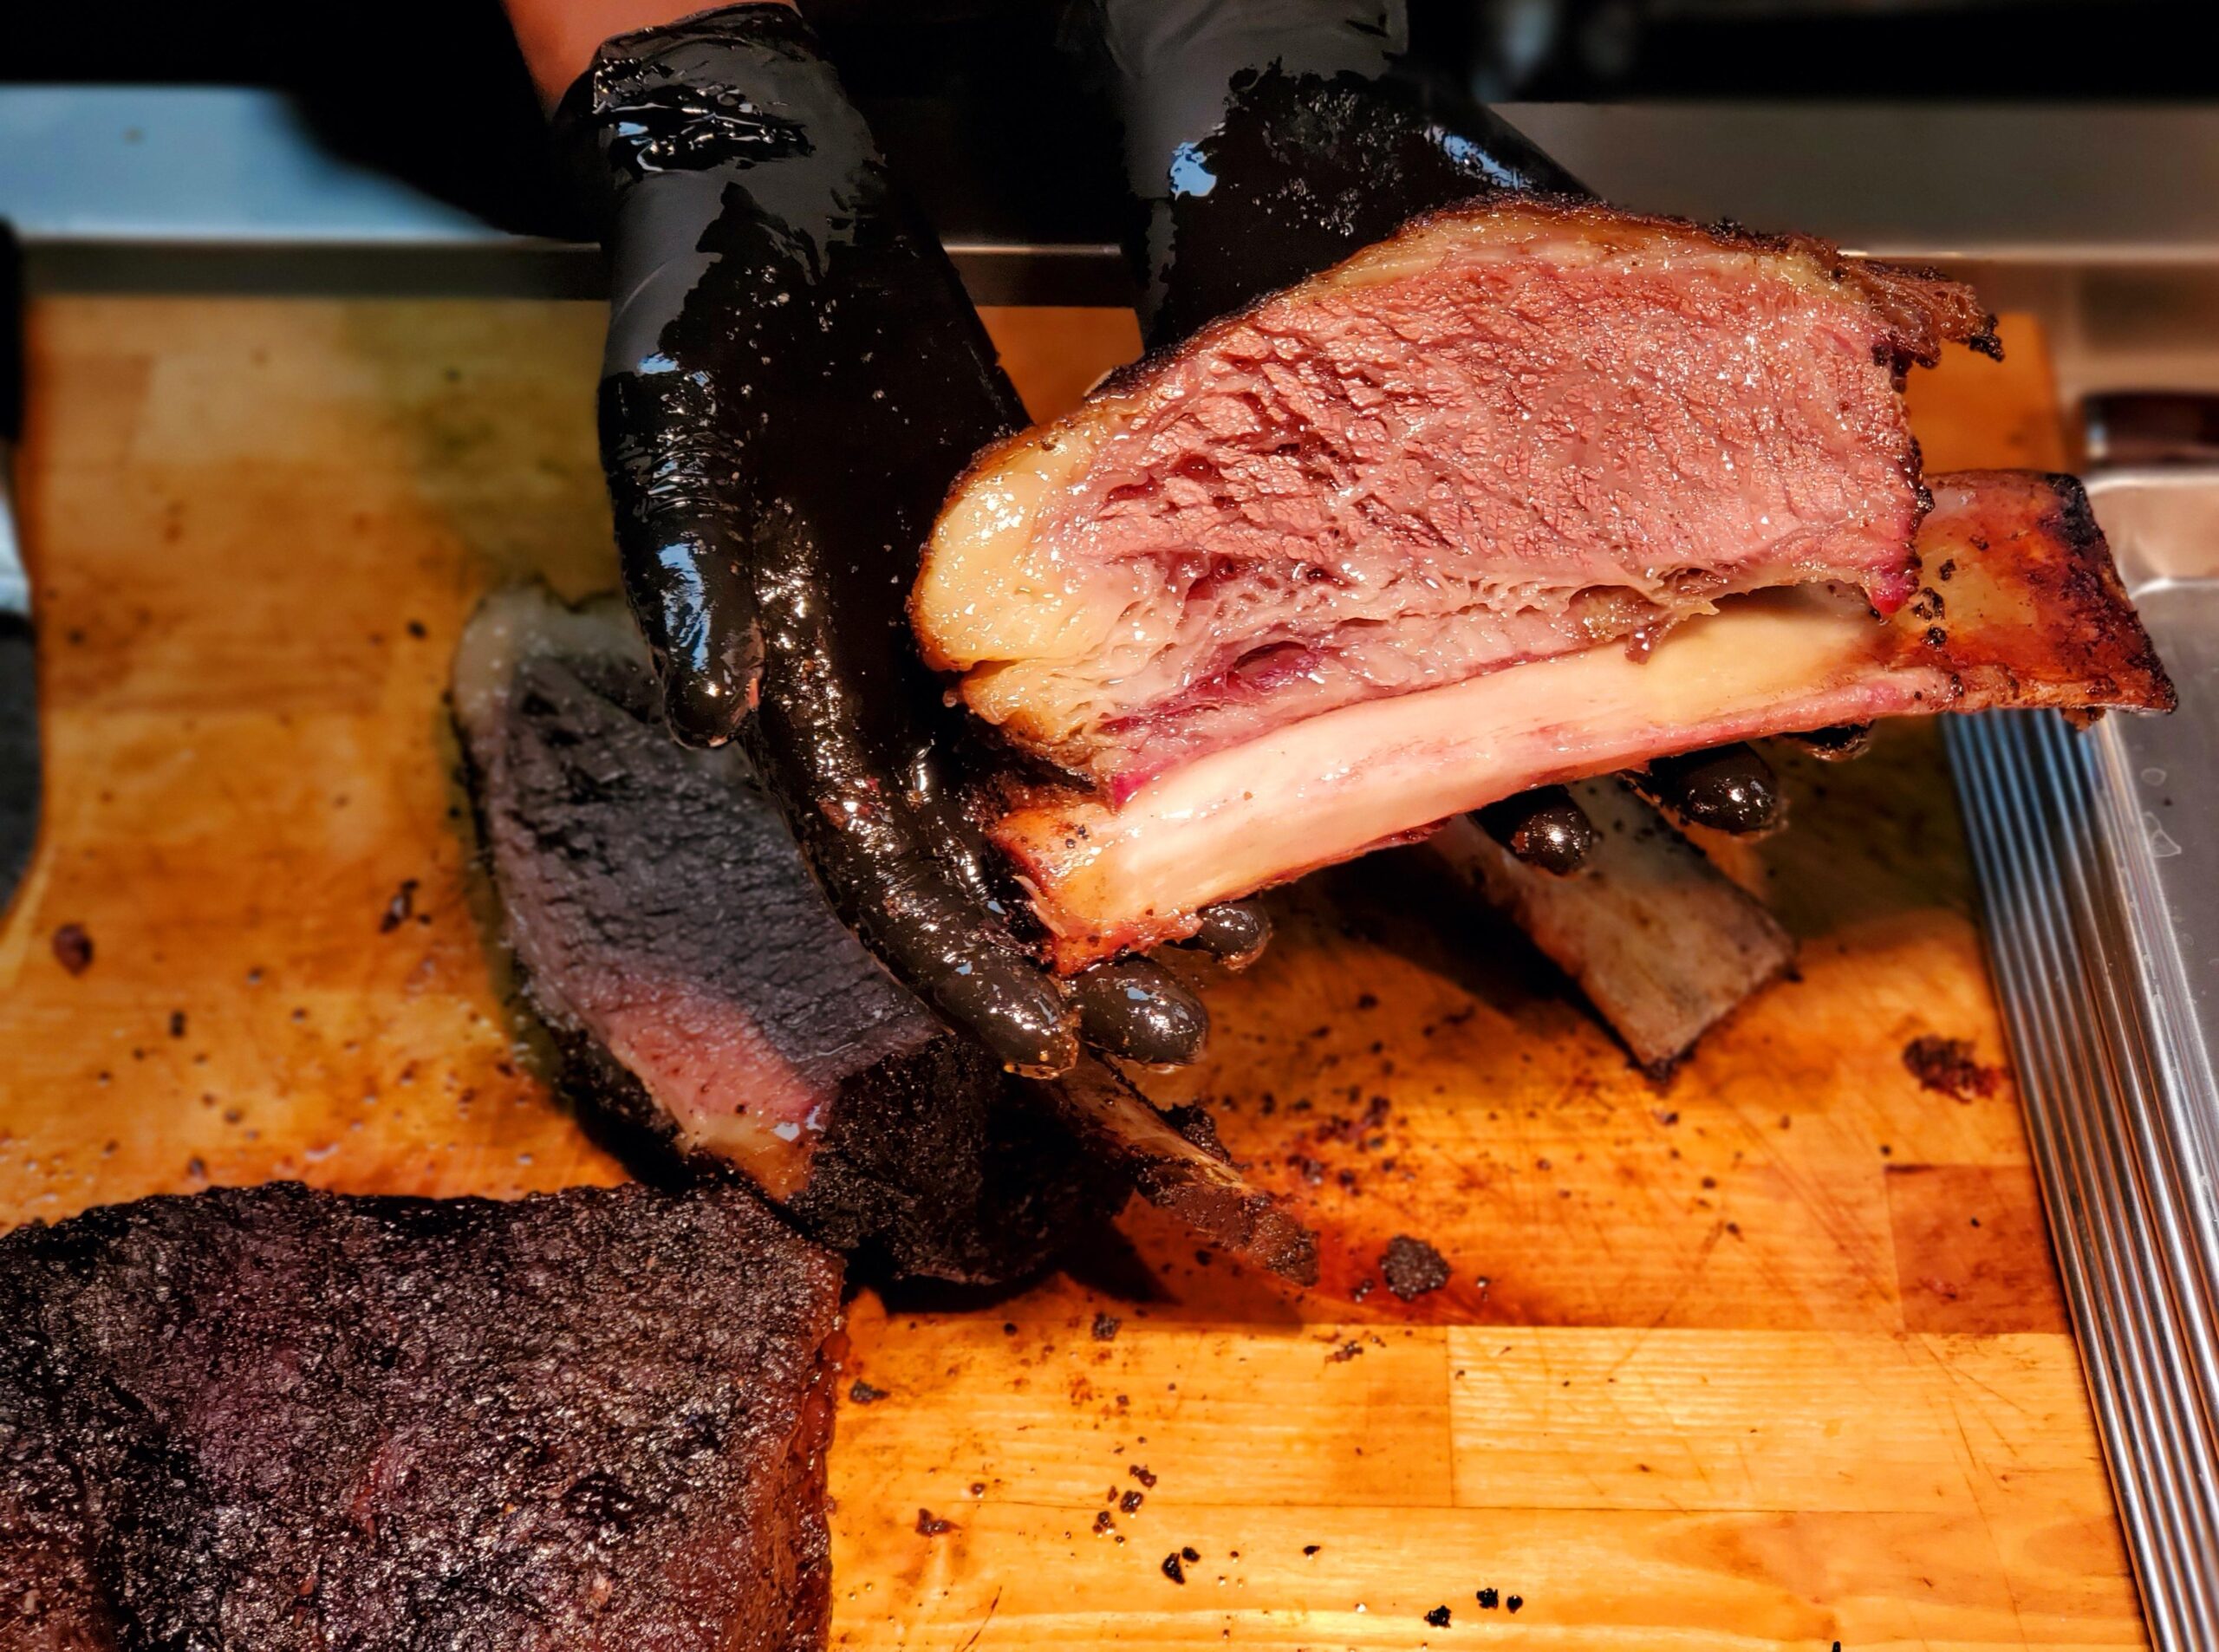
[(558, 38)]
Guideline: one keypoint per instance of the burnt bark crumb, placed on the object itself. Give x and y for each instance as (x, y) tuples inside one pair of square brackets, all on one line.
[(862, 1394), (400, 909), (73, 949), (1198, 1127), (1173, 1570), (1489, 1600), (1438, 1618), (1106, 1327), (1412, 1267), (1947, 1066), (931, 1525)]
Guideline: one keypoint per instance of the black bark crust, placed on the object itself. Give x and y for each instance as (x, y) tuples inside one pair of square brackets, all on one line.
[(304, 1421)]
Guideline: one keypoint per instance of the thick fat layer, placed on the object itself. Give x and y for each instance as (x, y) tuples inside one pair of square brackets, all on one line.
[(2022, 606), (1506, 434)]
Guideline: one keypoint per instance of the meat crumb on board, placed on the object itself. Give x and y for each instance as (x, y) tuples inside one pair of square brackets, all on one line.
[(1412, 1267), (1947, 1067), (400, 909), (73, 949)]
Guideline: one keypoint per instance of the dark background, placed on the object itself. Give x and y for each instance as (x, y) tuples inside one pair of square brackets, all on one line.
[(970, 96)]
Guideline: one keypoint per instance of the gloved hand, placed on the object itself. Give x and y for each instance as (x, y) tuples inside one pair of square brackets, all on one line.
[(793, 378), (1269, 140)]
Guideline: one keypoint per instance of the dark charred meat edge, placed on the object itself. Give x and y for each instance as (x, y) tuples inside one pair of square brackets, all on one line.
[(1195, 1181), (292, 1420)]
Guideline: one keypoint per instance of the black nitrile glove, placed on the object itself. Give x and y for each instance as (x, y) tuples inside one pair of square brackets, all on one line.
[(794, 378)]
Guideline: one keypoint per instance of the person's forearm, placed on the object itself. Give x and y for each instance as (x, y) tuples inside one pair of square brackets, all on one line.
[(558, 38)]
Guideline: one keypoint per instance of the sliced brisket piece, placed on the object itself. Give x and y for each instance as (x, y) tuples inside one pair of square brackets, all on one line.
[(698, 986), (595, 1419), (1513, 430), (2021, 607)]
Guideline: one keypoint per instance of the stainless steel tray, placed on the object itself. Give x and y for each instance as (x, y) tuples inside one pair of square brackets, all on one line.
[(2099, 861)]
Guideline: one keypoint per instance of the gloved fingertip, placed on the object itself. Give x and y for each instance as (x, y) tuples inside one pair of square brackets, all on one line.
[(1132, 1008), (1234, 933), (1545, 827), (1728, 789), (1011, 1006), (707, 699)]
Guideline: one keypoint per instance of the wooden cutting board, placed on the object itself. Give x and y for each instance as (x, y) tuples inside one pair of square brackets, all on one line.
[(1770, 1357)]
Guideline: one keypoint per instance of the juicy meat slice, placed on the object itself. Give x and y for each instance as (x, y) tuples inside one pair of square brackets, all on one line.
[(1510, 431), (2020, 606), (275, 1418), (697, 985)]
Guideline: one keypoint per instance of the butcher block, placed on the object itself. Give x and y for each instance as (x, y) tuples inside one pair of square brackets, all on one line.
[(1768, 1355)]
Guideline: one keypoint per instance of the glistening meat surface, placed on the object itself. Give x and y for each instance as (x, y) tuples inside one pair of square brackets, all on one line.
[(1509, 432), (2020, 605)]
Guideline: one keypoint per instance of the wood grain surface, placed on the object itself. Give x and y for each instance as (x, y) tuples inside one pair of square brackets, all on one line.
[(1770, 1357)]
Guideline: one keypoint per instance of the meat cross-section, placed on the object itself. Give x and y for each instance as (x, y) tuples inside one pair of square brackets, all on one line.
[(2020, 606), (1512, 431)]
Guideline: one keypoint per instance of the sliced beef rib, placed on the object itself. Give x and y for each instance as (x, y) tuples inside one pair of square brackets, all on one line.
[(1512, 431), (2020, 606)]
